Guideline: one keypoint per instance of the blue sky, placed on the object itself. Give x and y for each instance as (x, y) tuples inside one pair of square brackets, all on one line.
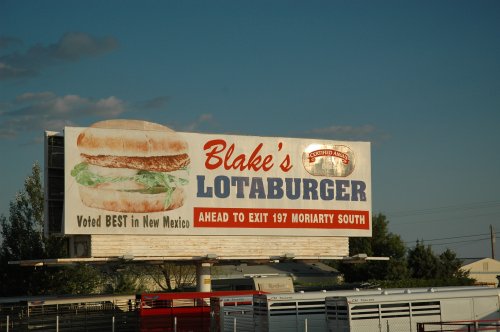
[(418, 79)]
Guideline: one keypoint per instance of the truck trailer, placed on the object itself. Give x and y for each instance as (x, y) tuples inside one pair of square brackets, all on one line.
[(402, 312)]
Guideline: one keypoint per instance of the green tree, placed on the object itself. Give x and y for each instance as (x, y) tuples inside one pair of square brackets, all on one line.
[(124, 278), (22, 238), (422, 262), (415, 267), (429, 270), (169, 275), (22, 232), (78, 279), (449, 266), (382, 243)]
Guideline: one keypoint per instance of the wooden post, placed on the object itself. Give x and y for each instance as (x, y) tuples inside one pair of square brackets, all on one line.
[(493, 239)]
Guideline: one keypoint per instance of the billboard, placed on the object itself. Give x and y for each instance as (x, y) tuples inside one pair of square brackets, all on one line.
[(139, 178)]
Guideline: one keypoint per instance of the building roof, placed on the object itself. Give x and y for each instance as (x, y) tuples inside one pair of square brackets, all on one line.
[(468, 261), (293, 269)]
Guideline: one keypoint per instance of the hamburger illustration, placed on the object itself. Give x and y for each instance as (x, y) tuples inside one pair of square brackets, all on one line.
[(131, 166)]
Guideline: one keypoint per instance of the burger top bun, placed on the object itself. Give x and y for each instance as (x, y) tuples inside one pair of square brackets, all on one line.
[(141, 139)]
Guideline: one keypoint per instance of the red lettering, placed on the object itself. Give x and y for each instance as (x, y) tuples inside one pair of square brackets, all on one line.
[(229, 153), (217, 146), (267, 165), (286, 164), (215, 158), (255, 161)]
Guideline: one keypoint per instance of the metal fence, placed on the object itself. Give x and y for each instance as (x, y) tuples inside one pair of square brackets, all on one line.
[(72, 317)]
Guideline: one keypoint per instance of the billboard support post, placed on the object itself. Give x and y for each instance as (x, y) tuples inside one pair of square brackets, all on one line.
[(203, 277)]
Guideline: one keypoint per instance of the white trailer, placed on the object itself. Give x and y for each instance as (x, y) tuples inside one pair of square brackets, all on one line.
[(272, 284), (231, 313), (299, 312), (402, 312)]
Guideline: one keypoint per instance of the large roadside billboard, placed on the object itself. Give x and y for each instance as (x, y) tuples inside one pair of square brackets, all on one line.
[(135, 177)]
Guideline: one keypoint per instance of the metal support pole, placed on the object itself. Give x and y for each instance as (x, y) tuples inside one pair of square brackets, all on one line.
[(57, 323), (113, 324), (7, 324)]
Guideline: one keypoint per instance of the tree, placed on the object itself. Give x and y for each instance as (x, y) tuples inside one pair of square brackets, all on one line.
[(382, 243), (429, 270), (450, 265), (124, 278), (23, 239), (169, 276), (79, 279), (422, 262), (415, 267), (22, 235)]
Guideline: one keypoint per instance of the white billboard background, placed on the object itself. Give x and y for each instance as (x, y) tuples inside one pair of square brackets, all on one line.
[(245, 185)]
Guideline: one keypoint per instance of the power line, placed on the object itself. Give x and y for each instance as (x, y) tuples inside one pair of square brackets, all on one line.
[(449, 219), (443, 209), (456, 242), (453, 237)]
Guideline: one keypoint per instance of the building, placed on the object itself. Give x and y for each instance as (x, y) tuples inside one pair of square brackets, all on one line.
[(483, 270)]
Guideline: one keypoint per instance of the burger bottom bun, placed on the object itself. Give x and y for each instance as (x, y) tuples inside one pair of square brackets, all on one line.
[(124, 201)]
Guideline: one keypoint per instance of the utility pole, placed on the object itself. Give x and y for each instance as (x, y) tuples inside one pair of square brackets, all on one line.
[(493, 239)]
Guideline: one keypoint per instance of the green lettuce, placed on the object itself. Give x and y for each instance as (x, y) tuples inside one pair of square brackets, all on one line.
[(154, 182)]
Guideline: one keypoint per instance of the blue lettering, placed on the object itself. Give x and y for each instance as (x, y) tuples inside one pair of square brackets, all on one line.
[(342, 195), (358, 189), (221, 184), (310, 189), (201, 187), (257, 189), (239, 182), (290, 193), (326, 189), (274, 188)]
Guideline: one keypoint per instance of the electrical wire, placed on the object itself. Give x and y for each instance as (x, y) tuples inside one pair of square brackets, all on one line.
[(465, 211), (456, 242), (453, 237), (443, 209), (449, 219)]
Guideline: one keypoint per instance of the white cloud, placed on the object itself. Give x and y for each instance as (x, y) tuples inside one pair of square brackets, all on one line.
[(202, 120), (344, 130), (72, 46), (8, 71), (31, 112), (6, 41), (34, 96), (155, 103), (365, 132), (108, 107)]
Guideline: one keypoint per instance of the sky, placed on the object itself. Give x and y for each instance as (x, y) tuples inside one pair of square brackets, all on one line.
[(420, 80)]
